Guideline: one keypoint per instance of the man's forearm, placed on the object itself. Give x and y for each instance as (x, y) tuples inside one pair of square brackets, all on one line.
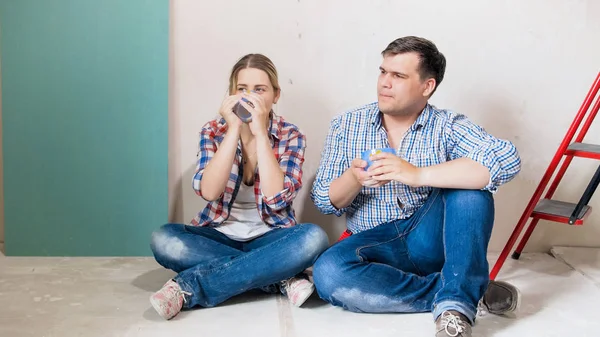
[(462, 173), (344, 189)]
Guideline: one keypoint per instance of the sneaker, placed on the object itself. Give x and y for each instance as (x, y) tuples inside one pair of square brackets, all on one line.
[(298, 290), (500, 298), (452, 324), (169, 300)]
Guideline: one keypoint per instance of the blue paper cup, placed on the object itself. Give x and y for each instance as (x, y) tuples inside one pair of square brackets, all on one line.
[(366, 155)]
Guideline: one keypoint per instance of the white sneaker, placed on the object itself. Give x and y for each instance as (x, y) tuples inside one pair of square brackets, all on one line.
[(298, 290)]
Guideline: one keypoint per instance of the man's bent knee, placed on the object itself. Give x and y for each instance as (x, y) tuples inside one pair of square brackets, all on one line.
[(468, 196), (466, 199)]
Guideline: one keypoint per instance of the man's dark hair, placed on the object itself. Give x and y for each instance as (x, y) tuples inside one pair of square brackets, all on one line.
[(432, 62)]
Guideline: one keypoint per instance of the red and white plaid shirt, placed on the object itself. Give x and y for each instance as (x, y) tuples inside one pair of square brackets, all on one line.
[(288, 145)]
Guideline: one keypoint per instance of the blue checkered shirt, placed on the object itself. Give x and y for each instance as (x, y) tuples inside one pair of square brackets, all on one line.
[(436, 136)]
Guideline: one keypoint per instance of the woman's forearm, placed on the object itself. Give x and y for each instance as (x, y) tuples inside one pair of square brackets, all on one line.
[(218, 169), (271, 175)]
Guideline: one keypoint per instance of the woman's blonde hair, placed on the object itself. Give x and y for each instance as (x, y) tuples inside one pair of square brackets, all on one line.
[(257, 61)]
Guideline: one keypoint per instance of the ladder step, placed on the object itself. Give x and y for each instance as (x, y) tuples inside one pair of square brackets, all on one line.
[(559, 211), (584, 150)]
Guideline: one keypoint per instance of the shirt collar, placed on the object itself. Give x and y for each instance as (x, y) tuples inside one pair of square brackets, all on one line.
[(422, 120)]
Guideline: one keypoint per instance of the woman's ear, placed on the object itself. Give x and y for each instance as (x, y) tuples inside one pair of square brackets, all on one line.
[(277, 94)]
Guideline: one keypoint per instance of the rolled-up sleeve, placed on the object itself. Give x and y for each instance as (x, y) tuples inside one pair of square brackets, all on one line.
[(206, 151), (332, 165), (469, 140), (290, 162)]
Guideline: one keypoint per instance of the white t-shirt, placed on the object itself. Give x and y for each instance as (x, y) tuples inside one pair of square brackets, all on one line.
[(244, 222)]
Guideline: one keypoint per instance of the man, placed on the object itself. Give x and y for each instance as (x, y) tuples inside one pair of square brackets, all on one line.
[(421, 219)]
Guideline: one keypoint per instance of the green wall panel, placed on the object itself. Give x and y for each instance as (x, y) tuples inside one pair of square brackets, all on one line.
[(84, 112)]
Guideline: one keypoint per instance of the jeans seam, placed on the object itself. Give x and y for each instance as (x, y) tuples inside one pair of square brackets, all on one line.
[(442, 279), (243, 256), (411, 262), (416, 223), (422, 214), (358, 249)]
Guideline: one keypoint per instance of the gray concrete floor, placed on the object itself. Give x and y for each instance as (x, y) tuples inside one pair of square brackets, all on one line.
[(91, 297)]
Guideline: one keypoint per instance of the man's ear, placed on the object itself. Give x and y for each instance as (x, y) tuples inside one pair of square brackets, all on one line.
[(429, 87)]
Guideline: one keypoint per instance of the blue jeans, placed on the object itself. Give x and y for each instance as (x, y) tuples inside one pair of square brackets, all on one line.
[(433, 261), (214, 268)]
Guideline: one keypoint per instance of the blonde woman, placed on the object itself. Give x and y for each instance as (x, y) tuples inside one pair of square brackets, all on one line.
[(247, 236)]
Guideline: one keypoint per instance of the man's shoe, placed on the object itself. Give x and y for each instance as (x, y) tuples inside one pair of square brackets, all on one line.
[(501, 298), (452, 324)]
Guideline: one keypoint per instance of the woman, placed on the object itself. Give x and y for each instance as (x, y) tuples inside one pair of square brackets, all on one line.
[(246, 237)]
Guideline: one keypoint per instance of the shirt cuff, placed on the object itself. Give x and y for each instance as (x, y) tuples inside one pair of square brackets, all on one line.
[(279, 201), (323, 202), (491, 163)]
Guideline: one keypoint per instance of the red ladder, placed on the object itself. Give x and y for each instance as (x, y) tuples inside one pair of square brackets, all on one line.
[(554, 210)]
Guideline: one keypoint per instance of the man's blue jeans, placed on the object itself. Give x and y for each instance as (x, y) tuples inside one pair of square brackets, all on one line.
[(433, 261), (214, 268)]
